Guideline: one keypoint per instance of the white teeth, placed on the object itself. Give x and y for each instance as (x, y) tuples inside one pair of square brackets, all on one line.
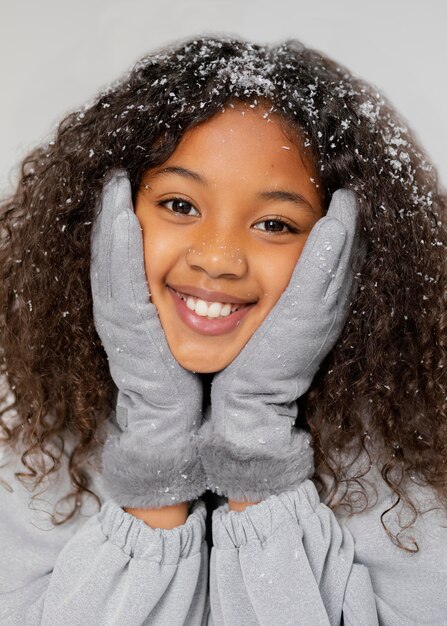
[(210, 310), (201, 308), (190, 303), (217, 309)]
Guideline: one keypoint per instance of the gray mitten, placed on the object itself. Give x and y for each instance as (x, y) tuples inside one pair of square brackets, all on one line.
[(154, 460), (250, 448)]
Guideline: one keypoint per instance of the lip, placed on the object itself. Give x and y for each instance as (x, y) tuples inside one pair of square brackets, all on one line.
[(209, 296), (204, 326)]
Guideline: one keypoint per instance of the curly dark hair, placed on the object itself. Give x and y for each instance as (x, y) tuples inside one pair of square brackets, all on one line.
[(389, 362)]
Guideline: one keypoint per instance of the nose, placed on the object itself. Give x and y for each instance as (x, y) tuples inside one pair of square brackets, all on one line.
[(219, 257)]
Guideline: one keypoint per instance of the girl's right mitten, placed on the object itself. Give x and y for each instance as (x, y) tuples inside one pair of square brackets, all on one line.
[(153, 461)]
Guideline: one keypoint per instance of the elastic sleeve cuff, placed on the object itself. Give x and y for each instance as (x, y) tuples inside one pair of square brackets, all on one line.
[(258, 522), (136, 538)]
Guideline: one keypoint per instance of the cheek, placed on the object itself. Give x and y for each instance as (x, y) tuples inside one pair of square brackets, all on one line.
[(277, 272), (160, 251)]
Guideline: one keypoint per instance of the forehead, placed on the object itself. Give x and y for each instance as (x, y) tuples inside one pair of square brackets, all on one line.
[(241, 134), (240, 153)]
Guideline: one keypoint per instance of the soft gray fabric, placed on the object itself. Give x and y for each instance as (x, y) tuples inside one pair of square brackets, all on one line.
[(106, 568), (287, 561), (154, 461), (251, 448)]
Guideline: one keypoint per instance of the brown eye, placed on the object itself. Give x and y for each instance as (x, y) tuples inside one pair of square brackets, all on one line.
[(276, 226), (180, 206)]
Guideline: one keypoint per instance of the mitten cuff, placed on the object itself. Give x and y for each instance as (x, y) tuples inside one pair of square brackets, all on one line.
[(159, 477), (241, 473)]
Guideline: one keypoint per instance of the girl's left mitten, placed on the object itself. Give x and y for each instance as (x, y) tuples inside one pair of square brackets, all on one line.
[(250, 448), (152, 461)]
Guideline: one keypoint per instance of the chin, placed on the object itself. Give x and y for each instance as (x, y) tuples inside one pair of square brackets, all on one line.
[(198, 367), (196, 363)]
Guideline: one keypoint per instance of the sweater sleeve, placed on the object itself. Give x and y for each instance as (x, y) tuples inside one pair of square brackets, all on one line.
[(284, 561), (289, 560), (110, 569)]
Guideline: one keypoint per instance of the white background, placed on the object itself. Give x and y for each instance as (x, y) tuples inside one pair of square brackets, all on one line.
[(55, 54)]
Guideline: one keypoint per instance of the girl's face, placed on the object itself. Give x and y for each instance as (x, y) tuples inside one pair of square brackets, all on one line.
[(228, 212)]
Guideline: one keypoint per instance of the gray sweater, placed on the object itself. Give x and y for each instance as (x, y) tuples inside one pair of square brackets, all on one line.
[(285, 561)]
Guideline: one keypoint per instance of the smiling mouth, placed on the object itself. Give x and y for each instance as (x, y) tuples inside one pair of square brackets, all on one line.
[(208, 321), (209, 309)]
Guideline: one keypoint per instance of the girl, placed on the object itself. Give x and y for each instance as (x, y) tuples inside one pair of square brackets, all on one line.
[(223, 300)]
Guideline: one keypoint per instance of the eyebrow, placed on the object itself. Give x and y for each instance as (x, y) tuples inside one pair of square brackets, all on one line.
[(288, 196), (276, 194), (181, 171)]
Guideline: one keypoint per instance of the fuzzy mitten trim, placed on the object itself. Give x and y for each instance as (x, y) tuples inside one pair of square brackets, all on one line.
[(243, 474), (160, 477)]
